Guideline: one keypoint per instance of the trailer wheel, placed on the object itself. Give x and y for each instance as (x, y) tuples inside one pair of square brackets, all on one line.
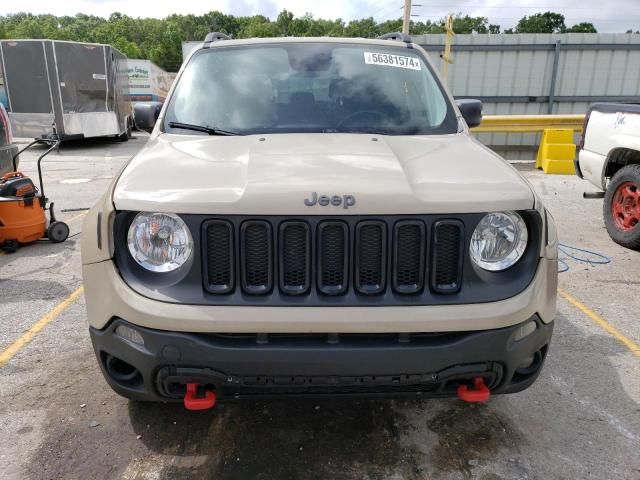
[(622, 207), (126, 135), (123, 137)]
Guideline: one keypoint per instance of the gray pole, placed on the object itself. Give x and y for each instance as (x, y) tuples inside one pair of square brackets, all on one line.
[(407, 17), (554, 77)]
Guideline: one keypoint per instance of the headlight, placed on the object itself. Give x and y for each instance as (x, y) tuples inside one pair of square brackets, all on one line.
[(159, 242), (498, 241)]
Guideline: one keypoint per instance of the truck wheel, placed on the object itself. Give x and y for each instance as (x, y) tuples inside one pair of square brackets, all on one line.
[(622, 207)]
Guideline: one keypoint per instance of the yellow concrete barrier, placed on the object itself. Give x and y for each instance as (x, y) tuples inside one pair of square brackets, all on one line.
[(556, 152), (528, 123)]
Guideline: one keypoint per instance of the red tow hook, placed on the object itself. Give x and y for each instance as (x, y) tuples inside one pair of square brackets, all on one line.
[(193, 402), (479, 394)]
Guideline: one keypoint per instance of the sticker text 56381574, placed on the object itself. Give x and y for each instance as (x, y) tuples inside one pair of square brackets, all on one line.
[(391, 60)]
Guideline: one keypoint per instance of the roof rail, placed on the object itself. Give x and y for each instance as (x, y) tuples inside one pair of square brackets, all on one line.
[(216, 37), (397, 36)]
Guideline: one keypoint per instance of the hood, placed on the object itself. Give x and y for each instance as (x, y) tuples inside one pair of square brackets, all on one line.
[(275, 174)]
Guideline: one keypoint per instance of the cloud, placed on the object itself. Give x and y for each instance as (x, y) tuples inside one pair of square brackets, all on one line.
[(615, 16)]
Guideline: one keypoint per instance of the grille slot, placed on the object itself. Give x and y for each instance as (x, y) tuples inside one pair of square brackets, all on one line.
[(371, 257), (219, 271), (256, 244), (295, 258), (409, 247), (333, 244), (446, 272)]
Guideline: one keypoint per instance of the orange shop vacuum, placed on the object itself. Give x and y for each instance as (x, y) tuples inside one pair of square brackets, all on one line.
[(23, 206)]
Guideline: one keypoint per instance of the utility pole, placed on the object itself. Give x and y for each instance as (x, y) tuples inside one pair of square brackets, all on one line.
[(406, 19), (446, 56)]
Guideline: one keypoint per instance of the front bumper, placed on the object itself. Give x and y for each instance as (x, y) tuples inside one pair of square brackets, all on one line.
[(272, 365)]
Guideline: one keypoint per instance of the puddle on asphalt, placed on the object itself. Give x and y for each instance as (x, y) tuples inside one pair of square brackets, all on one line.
[(298, 439)]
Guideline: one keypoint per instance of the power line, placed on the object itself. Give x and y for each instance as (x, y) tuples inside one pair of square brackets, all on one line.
[(520, 7)]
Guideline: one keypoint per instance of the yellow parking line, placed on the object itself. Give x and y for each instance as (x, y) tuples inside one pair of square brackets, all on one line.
[(80, 215), (602, 323), (16, 346)]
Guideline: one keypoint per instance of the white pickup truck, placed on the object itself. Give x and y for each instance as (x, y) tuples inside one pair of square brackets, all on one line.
[(609, 158)]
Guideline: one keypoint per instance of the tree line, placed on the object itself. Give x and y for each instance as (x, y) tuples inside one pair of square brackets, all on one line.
[(160, 40)]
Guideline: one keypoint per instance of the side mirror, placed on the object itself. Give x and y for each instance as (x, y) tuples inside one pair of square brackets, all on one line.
[(471, 111), (145, 115)]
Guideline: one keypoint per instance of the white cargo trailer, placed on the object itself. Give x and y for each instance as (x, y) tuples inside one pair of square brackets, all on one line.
[(65, 89)]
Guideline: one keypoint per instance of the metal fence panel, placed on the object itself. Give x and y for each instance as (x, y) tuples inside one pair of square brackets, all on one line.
[(514, 74)]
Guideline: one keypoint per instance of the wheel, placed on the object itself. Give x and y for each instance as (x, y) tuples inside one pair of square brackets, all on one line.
[(127, 133), (622, 207), (10, 246), (58, 232)]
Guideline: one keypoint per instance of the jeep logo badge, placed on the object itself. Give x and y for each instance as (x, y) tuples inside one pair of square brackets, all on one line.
[(325, 200)]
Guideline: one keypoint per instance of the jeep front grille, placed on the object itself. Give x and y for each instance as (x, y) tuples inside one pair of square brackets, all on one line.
[(332, 257)]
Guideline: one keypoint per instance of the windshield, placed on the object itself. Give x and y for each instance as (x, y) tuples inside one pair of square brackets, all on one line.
[(310, 87)]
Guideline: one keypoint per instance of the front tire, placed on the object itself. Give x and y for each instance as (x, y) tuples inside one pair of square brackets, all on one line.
[(622, 207)]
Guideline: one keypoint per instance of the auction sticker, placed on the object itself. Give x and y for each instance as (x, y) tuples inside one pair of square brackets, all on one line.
[(390, 60)]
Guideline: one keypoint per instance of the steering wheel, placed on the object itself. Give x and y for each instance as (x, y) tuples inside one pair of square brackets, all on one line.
[(360, 113)]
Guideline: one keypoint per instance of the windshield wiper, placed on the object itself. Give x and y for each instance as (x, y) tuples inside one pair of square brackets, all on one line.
[(371, 130), (381, 130), (201, 128)]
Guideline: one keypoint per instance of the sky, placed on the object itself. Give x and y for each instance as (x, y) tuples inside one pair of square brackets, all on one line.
[(607, 16)]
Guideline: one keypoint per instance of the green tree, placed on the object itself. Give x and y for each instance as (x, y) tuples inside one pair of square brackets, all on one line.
[(161, 39), (548, 22), (284, 23), (365, 28), (467, 24), (584, 27)]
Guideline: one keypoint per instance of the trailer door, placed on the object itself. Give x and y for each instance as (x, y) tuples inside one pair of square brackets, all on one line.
[(82, 76), (26, 78)]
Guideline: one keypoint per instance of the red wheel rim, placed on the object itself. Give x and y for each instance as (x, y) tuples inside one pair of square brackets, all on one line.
[(625, 206)]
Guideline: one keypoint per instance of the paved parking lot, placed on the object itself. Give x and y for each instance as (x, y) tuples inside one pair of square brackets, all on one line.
[(59, 419)]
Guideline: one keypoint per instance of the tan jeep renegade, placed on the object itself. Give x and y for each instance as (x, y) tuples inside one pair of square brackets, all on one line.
[(311, 216)]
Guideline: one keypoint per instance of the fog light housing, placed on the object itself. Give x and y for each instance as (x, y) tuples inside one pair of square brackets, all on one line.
[(129, 334), (526, 363), (524, 331)]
